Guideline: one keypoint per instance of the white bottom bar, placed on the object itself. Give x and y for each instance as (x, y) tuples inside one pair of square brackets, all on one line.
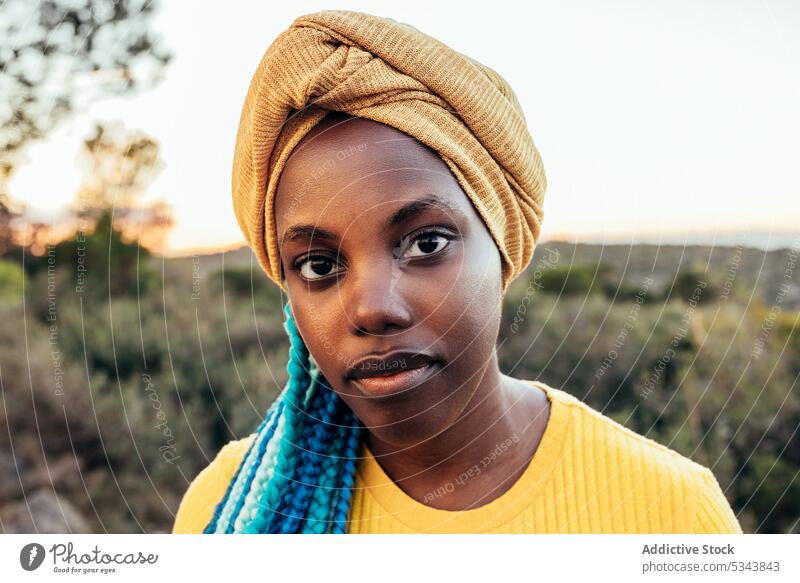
[(384, 558)]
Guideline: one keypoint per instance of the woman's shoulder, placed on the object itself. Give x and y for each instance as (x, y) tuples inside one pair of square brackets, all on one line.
[(209, 486), (653, 473)]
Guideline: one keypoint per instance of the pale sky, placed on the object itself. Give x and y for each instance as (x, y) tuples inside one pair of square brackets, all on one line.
[(655, 120)]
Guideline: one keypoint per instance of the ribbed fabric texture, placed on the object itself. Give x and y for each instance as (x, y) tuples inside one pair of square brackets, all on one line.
[(589, 475), (389, 72)]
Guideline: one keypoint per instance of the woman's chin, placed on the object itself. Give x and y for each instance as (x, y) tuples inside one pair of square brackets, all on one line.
[(406, 422)]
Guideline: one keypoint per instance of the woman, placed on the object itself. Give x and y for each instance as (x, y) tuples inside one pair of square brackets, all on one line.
[(390, 187)]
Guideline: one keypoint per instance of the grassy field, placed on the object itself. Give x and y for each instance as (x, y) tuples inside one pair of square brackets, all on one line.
[(121, 379)]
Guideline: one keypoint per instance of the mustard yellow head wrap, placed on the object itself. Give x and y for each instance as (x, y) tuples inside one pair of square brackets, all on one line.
[(389, 72)]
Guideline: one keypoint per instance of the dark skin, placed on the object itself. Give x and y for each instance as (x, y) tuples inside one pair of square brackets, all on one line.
[(430, 280)]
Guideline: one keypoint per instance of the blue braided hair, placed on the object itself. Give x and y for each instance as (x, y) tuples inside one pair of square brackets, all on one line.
[(298, 474)]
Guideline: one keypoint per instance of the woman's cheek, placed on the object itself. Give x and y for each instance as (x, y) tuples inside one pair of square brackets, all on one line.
[(444, 281), (479, 301)]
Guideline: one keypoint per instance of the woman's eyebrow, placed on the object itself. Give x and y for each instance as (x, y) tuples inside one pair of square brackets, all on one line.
[(404, 213), (416, 207), (306, 231)]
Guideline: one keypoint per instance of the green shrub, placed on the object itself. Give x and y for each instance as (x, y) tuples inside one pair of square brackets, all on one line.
[(11, 281)]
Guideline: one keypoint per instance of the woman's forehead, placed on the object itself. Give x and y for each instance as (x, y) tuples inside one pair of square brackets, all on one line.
[(348, 165)]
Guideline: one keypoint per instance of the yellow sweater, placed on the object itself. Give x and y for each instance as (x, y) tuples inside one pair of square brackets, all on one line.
[(588, 475)]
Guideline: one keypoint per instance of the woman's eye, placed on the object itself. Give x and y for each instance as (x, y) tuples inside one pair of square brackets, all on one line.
[(426, 244), (317, 267)]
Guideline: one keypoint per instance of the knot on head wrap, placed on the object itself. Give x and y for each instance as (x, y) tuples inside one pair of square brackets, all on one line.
[(389, 72)]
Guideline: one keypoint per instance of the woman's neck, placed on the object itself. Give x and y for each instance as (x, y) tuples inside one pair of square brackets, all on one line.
[(481, 455)]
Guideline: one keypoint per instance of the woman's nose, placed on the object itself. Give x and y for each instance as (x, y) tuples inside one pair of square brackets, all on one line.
[(377, 303)]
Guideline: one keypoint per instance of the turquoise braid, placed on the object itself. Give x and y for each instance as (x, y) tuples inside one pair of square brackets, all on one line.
[(347, 477), (298, 473), (321, 508), (221, 508), (288, 453), (251, 467), (313, 444)]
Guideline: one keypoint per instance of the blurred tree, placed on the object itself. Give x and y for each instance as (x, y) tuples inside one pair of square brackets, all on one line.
[(770, 489), (57, 55), (693, 284), (118, 166), (11, 280), (576, 279), (107, 248), (8, 216), (245, 282), (120, 267)]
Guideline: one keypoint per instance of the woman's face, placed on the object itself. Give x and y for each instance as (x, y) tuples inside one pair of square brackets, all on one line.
[(384, 256)]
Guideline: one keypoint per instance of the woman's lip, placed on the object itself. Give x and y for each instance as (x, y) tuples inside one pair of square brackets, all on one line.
[(392, 384)]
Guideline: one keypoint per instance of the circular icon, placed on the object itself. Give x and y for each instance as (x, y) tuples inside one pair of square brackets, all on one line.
[(31, 556)]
